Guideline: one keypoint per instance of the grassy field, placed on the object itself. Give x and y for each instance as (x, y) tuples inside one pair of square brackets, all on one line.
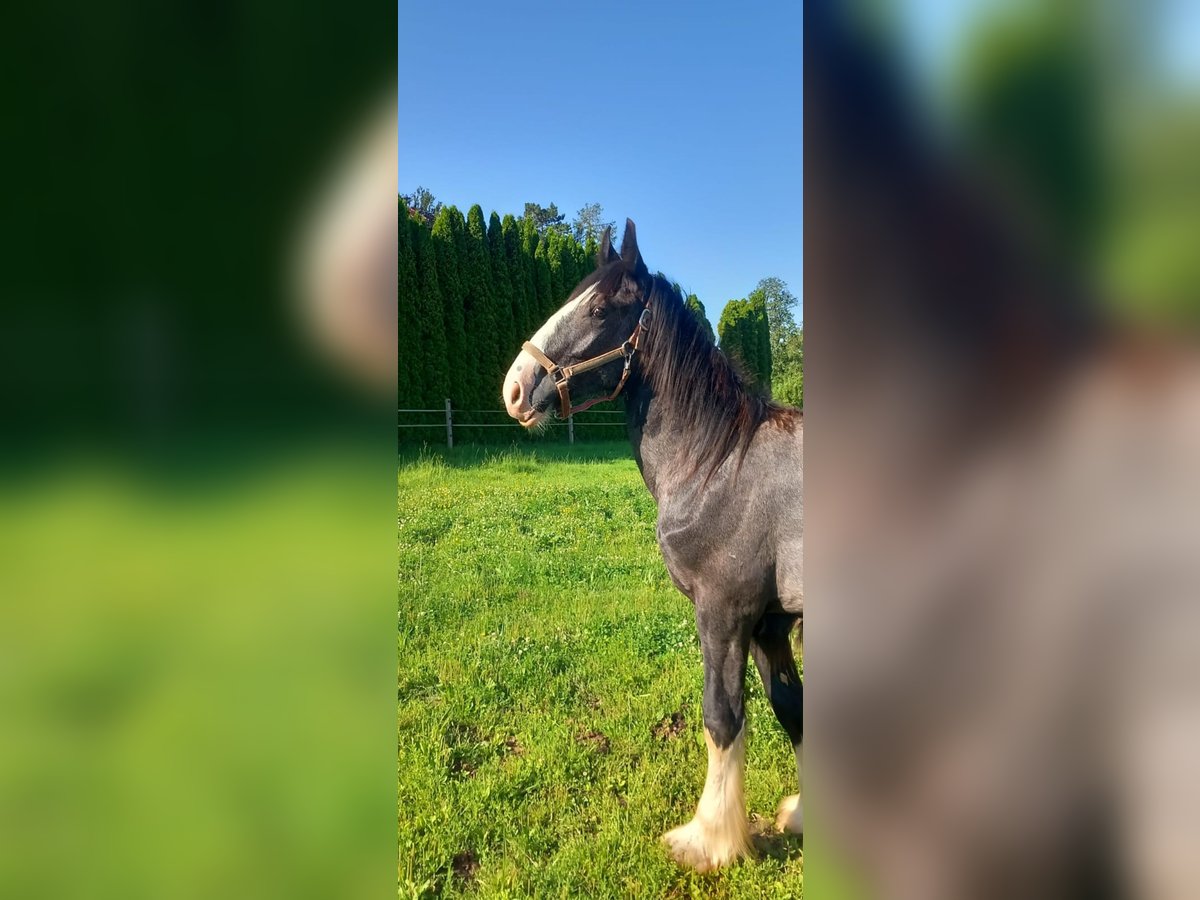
[(550, 681)]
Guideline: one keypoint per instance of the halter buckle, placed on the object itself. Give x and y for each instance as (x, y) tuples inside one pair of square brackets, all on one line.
[(644, 319)]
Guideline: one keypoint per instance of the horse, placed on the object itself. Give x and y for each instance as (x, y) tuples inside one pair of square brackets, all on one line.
[(724, 466)]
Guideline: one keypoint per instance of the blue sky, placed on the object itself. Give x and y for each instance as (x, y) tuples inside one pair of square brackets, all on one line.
[(685, 117)]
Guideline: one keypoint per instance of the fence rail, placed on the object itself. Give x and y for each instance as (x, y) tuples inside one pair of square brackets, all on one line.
[(450, 424)]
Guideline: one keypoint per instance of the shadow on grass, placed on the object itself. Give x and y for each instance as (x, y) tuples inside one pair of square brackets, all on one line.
[(778, 845)]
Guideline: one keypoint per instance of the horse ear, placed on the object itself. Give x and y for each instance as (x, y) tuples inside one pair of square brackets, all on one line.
[(630, 254), (606, 253)]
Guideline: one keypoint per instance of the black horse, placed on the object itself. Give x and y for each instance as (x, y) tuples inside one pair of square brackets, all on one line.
[(724, 465)]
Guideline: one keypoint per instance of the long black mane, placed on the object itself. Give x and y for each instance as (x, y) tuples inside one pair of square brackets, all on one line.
[(708, 396)]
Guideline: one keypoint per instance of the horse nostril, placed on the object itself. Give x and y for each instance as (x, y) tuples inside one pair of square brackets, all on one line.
[(514, 393)]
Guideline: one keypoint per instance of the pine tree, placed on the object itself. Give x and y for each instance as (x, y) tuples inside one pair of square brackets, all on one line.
[(435, 366), (407, 364), (445, 244)]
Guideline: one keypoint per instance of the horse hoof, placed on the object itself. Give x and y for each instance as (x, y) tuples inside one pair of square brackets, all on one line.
[(791, 815), (705, 848)]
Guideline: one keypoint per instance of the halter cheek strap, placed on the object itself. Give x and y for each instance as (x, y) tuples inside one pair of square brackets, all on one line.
[(562, 374)]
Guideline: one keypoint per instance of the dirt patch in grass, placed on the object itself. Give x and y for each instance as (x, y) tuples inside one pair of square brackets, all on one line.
[(670, 727), (465, 865), (769, 841), (597, 740), (513, 747)]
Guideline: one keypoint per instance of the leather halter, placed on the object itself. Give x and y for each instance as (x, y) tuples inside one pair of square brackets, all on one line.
[(562, 374)]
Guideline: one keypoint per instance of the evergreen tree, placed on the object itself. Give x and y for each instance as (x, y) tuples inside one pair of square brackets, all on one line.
[(589, 224), (470, 374), (693, 303), (545, 300), (546, 218), (434, 364), (446, 228), (568, 270), (478, 312), (517, 280), (585, 260), (533, 301), (423, 204), (407, 363), (762, 337), (554, 260), (741, 331), (502, 301)]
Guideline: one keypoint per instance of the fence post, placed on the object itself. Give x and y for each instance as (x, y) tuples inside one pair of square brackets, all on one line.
[(449, 427), (570, 429)]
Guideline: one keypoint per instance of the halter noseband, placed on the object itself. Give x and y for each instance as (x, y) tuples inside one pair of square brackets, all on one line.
[(562, 374)]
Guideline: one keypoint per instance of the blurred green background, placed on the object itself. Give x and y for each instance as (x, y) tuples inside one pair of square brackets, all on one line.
[(197, 508)]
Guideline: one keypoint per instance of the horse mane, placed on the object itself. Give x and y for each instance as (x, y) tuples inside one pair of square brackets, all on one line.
[(709, 396)]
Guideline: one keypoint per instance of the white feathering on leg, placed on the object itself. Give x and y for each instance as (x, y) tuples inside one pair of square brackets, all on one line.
[(719, 832)]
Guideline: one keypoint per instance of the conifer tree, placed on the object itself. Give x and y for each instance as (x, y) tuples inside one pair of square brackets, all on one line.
[(762, 336), (569, 269), (407, 364), (739, 333), (502, 304), (554, 261), (434, 364), (533, 297), (516, 276), (445, 244), (693, 303), (545, 300), (478, 313)]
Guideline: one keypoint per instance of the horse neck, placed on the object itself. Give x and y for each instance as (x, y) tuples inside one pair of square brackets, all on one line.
[(662, 441), (655, 443)]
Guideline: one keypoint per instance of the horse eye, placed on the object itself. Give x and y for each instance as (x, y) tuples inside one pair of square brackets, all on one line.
[(598, 312)]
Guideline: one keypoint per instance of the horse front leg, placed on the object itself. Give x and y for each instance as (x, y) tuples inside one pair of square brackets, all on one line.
[(771, 648), (719, 833)]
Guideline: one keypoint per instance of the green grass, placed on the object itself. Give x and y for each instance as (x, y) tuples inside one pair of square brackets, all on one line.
[(543, 656), (195, 667)]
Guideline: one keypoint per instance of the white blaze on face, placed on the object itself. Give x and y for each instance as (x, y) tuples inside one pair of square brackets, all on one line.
[(518, 383)]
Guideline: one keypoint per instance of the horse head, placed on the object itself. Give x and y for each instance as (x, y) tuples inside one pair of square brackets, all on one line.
[(583, 351)]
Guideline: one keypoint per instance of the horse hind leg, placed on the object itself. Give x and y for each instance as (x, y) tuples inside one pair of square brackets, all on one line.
[(771, 647), (719, 832)]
